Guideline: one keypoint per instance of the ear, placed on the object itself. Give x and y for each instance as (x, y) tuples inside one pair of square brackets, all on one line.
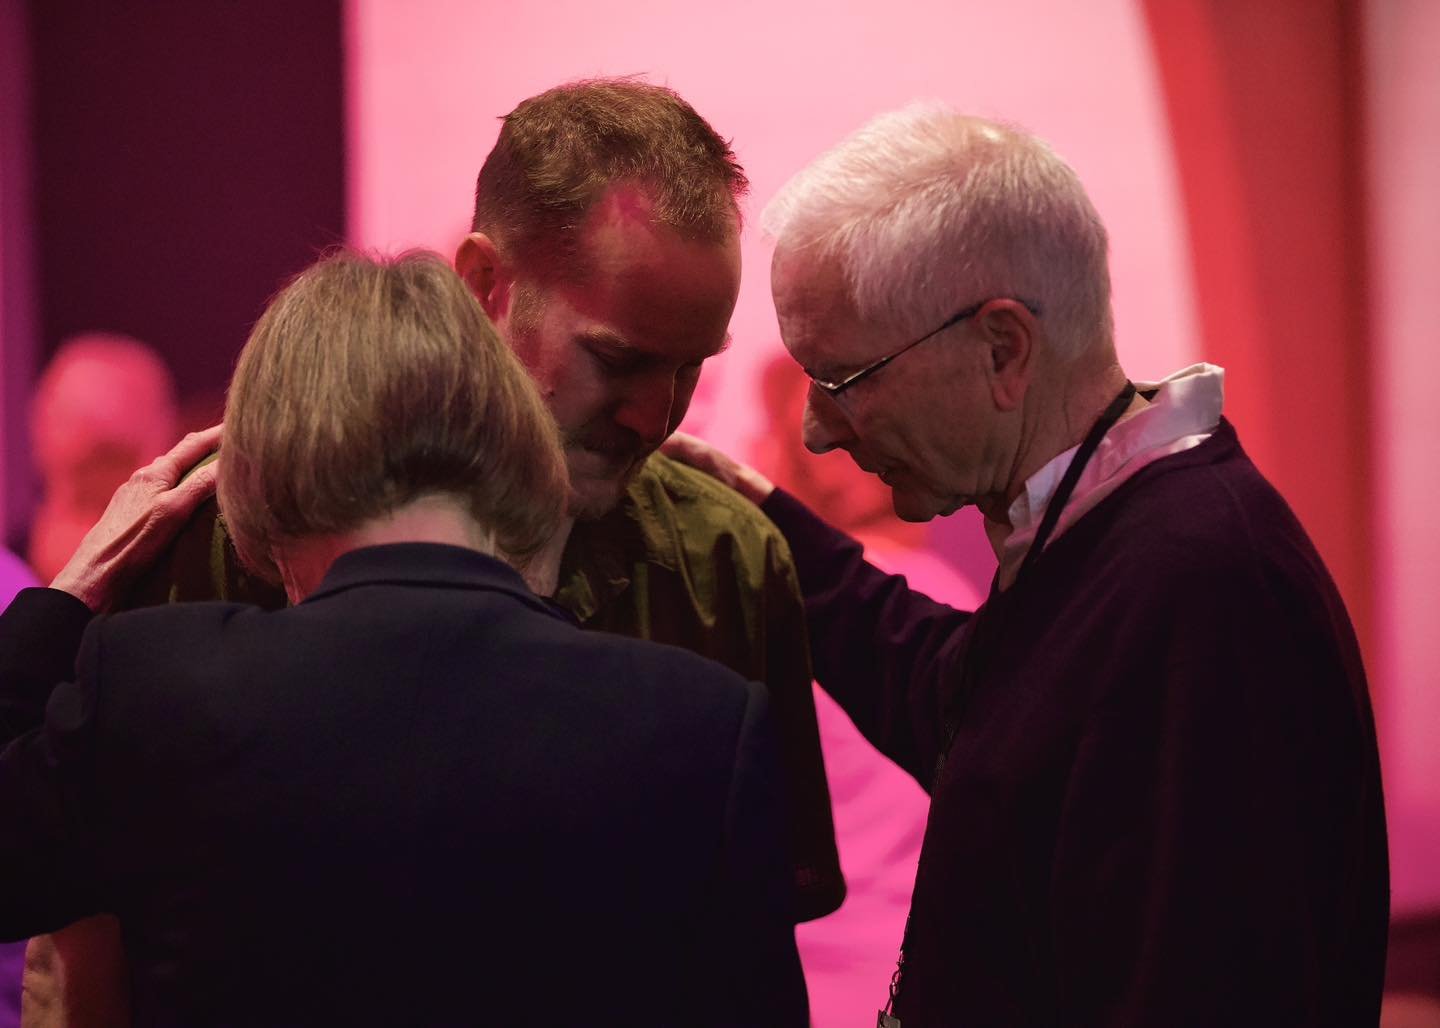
[(1011, 332), (479, 263)]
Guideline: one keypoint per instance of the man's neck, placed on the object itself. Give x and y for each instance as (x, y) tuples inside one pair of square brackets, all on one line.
[(1059, 425), (541, 570)]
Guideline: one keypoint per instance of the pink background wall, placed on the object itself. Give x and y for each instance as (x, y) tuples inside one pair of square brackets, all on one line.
[(1404, 179)]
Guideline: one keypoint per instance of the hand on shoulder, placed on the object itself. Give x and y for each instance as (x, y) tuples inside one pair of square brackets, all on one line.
[(700, 455), (143, 516)]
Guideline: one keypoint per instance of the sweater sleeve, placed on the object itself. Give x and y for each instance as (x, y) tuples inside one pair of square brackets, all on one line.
[(889, 655)]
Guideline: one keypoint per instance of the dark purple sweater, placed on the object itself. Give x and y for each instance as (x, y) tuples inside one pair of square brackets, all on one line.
[(1162, 805)]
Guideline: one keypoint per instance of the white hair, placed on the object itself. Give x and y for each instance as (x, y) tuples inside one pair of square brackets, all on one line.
[(928, 210)]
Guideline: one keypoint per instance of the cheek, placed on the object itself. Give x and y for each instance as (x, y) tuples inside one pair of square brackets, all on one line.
[(566, 381), (580, 395)]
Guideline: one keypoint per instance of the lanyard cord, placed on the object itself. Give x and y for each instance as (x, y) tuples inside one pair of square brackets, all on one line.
[(1107, 420), (1066, 488)]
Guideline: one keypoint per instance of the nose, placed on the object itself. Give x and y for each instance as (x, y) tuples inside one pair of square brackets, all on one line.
[(823, 425), (648, 410)]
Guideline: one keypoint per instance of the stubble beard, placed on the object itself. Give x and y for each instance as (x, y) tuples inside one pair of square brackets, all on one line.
[(592, 497)]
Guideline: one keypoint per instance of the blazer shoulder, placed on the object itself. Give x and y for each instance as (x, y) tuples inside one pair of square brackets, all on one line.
[(170, 631), (656, 662)]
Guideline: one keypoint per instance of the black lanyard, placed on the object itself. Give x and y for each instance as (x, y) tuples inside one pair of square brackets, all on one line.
[(1066, 488), (1112, 414)]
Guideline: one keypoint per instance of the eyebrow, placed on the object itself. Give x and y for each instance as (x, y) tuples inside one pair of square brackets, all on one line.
[(614, 340), (605, 337)]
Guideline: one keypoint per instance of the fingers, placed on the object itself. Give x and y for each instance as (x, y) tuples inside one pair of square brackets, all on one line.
[(143, 516), (701, 456), (193, 490), (168, 468), (689, 449)]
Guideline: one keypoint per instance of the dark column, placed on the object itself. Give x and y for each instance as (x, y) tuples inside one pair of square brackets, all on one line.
[(188, 157)]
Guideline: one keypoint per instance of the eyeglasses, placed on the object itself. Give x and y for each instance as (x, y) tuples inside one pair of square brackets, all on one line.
[(834, 389)]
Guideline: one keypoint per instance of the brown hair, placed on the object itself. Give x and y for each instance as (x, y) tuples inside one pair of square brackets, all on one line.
[(368, 383), (558, 152)]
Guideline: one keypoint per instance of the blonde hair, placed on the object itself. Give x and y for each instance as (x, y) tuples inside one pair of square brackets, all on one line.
[(368, 383)]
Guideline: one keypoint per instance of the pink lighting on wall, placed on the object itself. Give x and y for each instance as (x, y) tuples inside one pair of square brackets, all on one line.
[(1403, 44), (428, 80)]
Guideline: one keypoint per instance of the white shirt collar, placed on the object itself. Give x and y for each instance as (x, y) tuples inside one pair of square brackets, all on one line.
[(1183, 412)]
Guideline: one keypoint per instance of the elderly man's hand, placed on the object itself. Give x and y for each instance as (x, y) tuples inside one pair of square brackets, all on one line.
[(699, 454), (143, 516)]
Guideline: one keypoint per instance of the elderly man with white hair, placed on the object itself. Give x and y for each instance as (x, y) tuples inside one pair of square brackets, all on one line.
[(1155, 792)]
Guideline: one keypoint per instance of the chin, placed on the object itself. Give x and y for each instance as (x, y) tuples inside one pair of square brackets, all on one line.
[(597, 484), (918, 508), (593, 498)]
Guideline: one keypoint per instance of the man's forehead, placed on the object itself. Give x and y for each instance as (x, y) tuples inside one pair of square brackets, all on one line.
[(818, 320), (646, 287)]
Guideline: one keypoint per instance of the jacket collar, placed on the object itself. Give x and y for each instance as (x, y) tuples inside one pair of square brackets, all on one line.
[(427, 564), (601, 555)]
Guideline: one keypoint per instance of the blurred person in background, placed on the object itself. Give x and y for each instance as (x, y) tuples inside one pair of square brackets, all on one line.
[(421, 794), (103, 406)]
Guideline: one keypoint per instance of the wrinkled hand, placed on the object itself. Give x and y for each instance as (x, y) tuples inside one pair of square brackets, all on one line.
[(701, 456), (143, 516)]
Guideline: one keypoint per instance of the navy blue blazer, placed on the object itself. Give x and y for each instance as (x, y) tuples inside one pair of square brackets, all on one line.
[(420, 797)]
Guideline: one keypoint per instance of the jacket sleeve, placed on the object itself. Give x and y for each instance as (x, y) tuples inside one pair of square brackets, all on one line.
[(39, 637), (755, 940), (887, 654), (46, 850), (819, 883)]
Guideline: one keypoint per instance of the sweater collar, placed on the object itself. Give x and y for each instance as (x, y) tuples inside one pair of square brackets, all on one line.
[(1184, 410)]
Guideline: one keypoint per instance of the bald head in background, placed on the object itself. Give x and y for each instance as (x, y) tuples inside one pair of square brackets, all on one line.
[(104, 406)]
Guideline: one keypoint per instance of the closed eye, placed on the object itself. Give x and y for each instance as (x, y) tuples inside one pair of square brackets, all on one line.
[(615, 356), (616, 362)]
